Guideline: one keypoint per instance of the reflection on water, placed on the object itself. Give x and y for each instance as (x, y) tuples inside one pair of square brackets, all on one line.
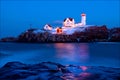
[(98, 54), (72, 52)]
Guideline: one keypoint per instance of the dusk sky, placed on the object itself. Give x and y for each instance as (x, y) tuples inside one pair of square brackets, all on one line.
[(17, 15)]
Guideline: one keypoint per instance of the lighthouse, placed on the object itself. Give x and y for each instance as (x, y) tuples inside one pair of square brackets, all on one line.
[(83, 19)]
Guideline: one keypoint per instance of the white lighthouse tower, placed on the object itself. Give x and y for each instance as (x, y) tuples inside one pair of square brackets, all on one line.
[(83, 19)]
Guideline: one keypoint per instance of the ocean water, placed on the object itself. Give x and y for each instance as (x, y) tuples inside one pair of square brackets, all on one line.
[(87, 54)]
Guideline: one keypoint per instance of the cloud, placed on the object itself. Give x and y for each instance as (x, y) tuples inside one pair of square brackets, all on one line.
[(58, 22)]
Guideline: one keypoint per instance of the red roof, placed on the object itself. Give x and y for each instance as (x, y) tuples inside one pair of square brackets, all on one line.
[(83, 14)]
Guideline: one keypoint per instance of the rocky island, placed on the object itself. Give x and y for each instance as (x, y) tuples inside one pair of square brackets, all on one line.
[(89, 34)]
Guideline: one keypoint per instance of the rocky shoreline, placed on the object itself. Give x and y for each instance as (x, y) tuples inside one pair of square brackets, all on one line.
[(90, 34), (56, 71)]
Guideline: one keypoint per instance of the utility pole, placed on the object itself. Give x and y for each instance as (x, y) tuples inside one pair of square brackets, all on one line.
[(30, 26)]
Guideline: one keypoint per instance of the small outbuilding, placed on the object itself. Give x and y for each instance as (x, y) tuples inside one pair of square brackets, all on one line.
[(48, 27)]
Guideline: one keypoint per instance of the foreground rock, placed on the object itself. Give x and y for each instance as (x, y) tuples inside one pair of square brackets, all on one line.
[(55, 71)]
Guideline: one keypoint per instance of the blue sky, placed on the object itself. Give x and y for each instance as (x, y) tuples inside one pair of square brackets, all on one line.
[(17, 15)]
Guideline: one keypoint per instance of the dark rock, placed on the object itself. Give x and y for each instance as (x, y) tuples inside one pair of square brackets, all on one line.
[(90, 34), (9, 39), (114, 35)]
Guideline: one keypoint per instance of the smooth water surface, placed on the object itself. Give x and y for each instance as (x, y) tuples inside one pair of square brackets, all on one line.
[(91, 54)]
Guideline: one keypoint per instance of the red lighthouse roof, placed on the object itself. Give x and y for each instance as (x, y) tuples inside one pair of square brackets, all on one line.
[(83, 14)]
